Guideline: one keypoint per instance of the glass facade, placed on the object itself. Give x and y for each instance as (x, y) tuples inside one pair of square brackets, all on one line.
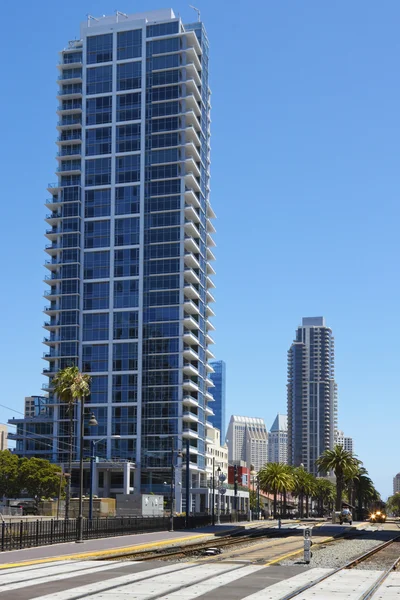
[(311, 389), (219, 393), (129, 268)]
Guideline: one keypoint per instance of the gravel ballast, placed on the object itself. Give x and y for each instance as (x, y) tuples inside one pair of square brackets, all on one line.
[(334, 554)]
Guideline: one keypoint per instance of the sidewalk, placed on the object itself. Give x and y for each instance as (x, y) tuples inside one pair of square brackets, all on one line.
[(114, 545)]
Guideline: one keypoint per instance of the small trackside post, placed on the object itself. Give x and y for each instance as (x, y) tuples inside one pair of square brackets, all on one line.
[(307, 545)]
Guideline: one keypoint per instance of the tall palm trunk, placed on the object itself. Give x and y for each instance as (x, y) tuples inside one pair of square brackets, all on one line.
[(307, 505), (339, 491), (275, 499), (70, 458), (284, 504)]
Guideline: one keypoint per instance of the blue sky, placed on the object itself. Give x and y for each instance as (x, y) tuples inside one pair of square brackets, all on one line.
[(305, 184)]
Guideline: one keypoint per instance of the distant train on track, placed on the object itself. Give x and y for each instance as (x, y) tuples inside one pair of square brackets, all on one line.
[(377, 517)]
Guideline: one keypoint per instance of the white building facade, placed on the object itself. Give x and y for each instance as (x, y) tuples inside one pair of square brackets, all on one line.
[(247, 440), (344, 441)]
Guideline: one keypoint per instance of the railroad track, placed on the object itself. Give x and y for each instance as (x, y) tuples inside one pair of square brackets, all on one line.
[(393, 559), (192, 550)]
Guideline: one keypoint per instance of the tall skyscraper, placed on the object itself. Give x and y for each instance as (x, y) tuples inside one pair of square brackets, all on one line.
[(396, 484), (130, 240), (311, 393), (277, 440), (219, 393), (247, 440)]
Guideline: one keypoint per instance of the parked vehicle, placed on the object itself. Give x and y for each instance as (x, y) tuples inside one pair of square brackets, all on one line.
[(345, 516)]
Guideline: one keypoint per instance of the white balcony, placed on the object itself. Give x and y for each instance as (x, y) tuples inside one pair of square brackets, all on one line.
[(190, 385), (193, 88), (209, 411), (210, 368), (189, 417), (191, 229), (193, 57), (191, 276), (192, 167), (209, 383), (209, 397), (190, 354), (192, 73), (191, 181), (210, 254), (190, 307), (209, 340), (210, 227), (210, 283), (191, 245), (69, 111), (209, 312), (190, 370), (210, 213), (192, 104), (190, 401), (209, 296), (191, 292), (191, 214), (191, 260), (209, 325), (209, 354), (50, 295), (210, 269), (189, 433), (192, 152), (192, 40), (191, 135), (191, 198), (210, 241), (191, 120), (190, 323), (190, 339)]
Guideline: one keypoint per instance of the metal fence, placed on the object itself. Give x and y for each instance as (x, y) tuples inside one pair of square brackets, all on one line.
[(26, 534)]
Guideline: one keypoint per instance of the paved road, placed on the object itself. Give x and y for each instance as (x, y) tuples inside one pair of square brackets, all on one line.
[(75, 580)]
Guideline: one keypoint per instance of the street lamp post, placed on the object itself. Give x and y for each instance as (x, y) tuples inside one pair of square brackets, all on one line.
[(213, 492), (218, 503), (92, 423)]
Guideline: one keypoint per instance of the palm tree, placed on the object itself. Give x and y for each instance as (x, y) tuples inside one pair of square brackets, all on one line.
[(324, 493), (275, 478), (304, 485), (70, 385), (343, 464)]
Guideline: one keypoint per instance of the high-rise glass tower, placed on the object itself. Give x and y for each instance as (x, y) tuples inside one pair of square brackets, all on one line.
[(311, 393), (219, 392), (130, 240)]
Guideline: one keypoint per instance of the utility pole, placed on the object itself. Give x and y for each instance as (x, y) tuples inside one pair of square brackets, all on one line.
[(187, 484)]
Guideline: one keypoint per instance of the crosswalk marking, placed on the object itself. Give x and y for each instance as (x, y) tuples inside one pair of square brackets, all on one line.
[(214, 583), (277, 590), (14, 581), (101, 586)]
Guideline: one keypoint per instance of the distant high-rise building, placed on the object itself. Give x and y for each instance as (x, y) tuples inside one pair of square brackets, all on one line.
[(219, 393), (344, 441), (396, 483), (34, 434), (311, 393), (247, 440), (277, 440)]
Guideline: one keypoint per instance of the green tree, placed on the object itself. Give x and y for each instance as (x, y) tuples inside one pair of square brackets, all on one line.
[(39, 478), (303, 487), (9, 480), (343, 464), (70, 386), (393, 505), (275, 479), (324, 493)]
